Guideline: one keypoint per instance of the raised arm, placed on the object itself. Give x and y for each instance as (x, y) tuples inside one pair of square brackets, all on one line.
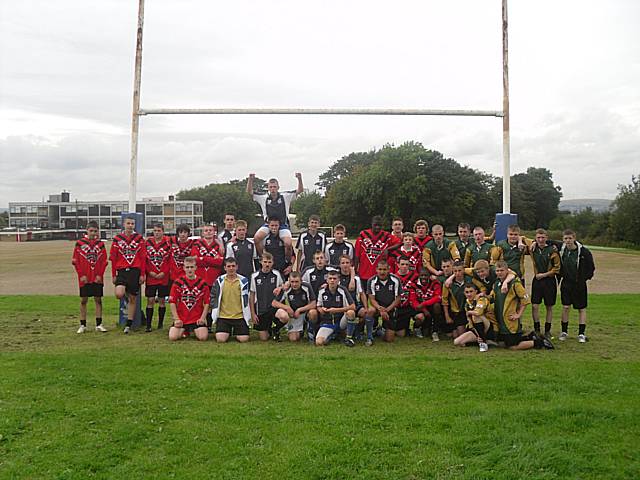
[(250, 183), (300, 188)]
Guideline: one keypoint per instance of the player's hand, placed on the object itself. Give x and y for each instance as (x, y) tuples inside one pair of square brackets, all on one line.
[(448, 282), (202, 322), (382, 309), (141, 279), (153, 275), (352, 271), (252, 176), (298, 175), (83, 279), (448, 320), (539, 276), (384, 315), (297, 313), (98, 279), (277, 291), (178, 324), (514, 317), (505, 288), (290, 312), (255, 319), (287, 270), (113, 280), (160, 275)]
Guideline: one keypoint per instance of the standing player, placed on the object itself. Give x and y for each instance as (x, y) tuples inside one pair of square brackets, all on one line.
[(406, 312), (425, 298), (230, 308), (437, 249), (276, 246), (181, 246), (339, 247), (512, 250), (274, 204), (316, 275), (480, 250), (158, 269), (261, 297), (371, 248), (128, 263), (189, 301), (577, 268), (453, 300), (294, 305), (90, 261), (546, 265), (384, 291), (209, 256), (464, 243), (410, 251), (421, 229), (228, 232), (243, 250), (335, 307), (309, 243)]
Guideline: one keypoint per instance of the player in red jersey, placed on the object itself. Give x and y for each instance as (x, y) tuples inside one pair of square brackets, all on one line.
[(189, 301), (90, 261), (371, 247), (421, 229), (181, 246), (158, 268), (425, 297), (209, 254), (408, 279), (410, 251), (128, 266)]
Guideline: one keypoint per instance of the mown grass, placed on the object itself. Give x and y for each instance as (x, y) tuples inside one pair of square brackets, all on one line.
[(115, 406)]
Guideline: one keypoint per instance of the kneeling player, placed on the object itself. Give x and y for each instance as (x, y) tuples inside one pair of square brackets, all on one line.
[(353, 284), (480, 327), (230, 309), (189, 303), (384, 292), (406, 312), (335, 308), (294, 305), (453, 300), (425, 298)]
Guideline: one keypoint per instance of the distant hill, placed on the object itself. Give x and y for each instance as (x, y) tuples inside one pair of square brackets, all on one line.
[(579, 204)]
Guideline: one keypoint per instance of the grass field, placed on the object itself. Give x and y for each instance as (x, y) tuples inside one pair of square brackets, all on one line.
[(137, 406)]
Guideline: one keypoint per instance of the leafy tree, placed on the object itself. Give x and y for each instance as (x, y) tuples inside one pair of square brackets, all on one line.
[(307, 204), (4, 219), (625, 219), (345, 167)]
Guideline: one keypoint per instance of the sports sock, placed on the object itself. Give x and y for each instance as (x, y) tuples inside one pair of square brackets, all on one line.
[(98, 321), (83, 323), (536, 326), (351, 328), (129, 322), (581, 328), (368, 321), (277, 325), (149, 316), (547, 327), (161, 313), (565, 326), (209, 320)]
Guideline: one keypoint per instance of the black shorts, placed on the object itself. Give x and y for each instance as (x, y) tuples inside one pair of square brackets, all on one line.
[(232, 326), (265, 320), (459, 318), (404, 318), (489, 334), (153, 291), (544, 290), (91, 290), (574, 293), (392, 323), (130, 278), (510, 339), (191, 327)]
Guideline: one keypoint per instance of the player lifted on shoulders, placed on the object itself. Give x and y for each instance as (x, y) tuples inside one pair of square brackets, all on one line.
[(274, 204), (90, 261)]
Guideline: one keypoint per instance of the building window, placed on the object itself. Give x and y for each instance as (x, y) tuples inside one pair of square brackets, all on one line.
[(154, 209), (197, 209), (105, 210), (94, 210), (184, 208)]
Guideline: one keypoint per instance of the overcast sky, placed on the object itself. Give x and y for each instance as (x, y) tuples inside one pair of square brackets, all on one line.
[(66, 75)]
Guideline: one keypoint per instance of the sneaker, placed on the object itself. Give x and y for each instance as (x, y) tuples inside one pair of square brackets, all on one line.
[(418, 333), (563, 336), (546, 343), (126, 330), (82, 329), (368, 343), (100, 328), (276, 337), (548, 336), (349, 342), (582, 338), (435, 337), (483, 347)]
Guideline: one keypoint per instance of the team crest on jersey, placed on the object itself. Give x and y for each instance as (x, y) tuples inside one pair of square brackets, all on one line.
[(90, 253), (259, 281), (377, 288), (306, 241), (190, 296), (235, 248), (292, 297), (332, 251), (325, 297)]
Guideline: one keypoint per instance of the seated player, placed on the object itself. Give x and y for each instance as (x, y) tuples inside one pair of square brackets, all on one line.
[(406, 311), (481, 326), (421, 229), (546, 266), (243, 250), (480, 250), (294, 305), (353, 284), (425, 298), (509, 308), (437, 249), (262, 293), (189, 302), (371, 247), (310, 242), (384, 291), (335, 307), (90, 261), (512, 250), (453, 300), (158, 270), (228, 231), (128, 262), (577, 267), (230, 308), (339, 247), (274, 205), (276, 247)]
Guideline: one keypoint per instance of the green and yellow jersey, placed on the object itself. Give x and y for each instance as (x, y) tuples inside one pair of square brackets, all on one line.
[(434, 254), (481, 306), (478, 252), (464, 248), (506, 304), (545, 259), (454, 295), (569, 264), (510, 254)]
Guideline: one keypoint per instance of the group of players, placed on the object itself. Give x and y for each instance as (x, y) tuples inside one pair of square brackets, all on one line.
[(388, 284)]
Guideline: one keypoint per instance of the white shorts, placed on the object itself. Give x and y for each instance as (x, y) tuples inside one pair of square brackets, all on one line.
[(327, 332), (283, 233), (296, 324)]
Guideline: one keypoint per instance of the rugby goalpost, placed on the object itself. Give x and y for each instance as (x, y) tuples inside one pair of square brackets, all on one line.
[(138, 112)]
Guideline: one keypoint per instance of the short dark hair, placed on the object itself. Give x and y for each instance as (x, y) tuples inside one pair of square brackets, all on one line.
[(471, 285), (314, 217), (377, 219), (230, 214), (273, 218), (333, 273), (397, 219), (183, 227), (568, 231), (404, 258), (229, 260), (92, 224), (514, 227), (158, 225), (464, 225), (130, 216)]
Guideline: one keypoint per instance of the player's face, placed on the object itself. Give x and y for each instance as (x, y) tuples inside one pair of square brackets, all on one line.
[(478, 236), (463, 233), (382, 271), (231, 268), (438, 236), (241, 232), (376, 227), (458, 272), (339, 236), (513, 237), (274, 227), (501, 273), (447, 269), (407, 242), (403, 266), (208, 232), (295, 282), (469, 293), (569, 241), (482, 273), (129, 224), (313, 224), (267, 264), (332, 281), (397, 226), (229, 222), (158, 233), (424, 277), (541, 239), (183, 236), (345, 265), (190, 269), (92, 233), (421, 231), (319, 261), (273, 188)]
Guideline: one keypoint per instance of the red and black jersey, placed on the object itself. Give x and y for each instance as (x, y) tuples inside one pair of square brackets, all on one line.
[(158, 260), (209, 258), (414, 255), (369, 248), (90, 260), (190, 298), (408, 281), (179, 251), (421, 242), (422, 296), (128, 252)]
